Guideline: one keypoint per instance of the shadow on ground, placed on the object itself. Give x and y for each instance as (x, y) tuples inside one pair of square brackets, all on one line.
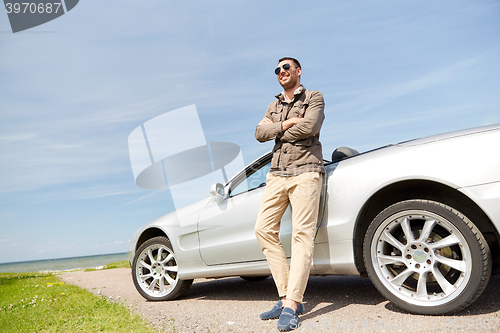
[(340, 291)]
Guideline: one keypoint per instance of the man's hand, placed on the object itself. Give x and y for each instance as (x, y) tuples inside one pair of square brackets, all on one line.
[(290, 122), (265, 121)]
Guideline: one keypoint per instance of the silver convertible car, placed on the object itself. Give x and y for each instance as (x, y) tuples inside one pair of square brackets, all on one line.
[(420, 218)]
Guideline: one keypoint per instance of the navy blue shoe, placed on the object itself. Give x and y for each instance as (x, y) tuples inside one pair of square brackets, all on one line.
[(275, 312), (289, 320)]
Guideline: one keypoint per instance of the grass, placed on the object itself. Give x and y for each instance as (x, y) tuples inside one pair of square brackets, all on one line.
[(36, 302), (120, 264)]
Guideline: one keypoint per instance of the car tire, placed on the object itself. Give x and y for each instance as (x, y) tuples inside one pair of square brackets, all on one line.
[(254, 278), (426, 257), (155, 271)]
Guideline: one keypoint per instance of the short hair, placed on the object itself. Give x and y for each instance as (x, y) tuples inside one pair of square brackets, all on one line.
[(297, 63)]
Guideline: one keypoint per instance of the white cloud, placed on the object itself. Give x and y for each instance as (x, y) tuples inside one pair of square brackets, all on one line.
[(372, 98)]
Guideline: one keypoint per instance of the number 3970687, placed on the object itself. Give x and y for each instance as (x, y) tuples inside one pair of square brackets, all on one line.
[(32, 8)]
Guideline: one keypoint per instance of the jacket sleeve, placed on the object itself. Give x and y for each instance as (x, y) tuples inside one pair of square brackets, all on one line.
[(311, 124), (268, 132)]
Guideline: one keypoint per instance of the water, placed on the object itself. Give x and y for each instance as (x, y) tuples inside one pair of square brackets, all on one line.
[(62, 264)]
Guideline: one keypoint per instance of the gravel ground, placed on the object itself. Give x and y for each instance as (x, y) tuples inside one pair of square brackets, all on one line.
[(332, 303)]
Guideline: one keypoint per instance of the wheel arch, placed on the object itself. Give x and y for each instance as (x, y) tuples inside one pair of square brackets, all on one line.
[(425, 190), (148, 234)]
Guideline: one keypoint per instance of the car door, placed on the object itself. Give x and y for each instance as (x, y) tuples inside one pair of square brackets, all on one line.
[(226, 229)]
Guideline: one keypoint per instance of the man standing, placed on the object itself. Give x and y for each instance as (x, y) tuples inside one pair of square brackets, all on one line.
[(293, 120)]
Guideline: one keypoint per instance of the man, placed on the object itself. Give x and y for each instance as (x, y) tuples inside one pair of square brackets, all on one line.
[(293, 120)]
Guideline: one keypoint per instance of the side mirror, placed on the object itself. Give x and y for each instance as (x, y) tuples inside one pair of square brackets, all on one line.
[(217, 192)]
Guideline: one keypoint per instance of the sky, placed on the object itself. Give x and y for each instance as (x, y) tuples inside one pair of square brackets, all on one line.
[(72, 90)]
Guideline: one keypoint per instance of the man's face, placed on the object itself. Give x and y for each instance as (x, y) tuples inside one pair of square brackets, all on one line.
[(290, 78)]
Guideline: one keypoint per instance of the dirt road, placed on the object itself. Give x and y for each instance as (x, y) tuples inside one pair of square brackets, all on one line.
[(333, 303)]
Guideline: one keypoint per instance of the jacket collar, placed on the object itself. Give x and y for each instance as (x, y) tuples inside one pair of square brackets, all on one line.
[(296, 93)]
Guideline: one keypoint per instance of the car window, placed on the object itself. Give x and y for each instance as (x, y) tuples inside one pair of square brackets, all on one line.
[(254, 180)]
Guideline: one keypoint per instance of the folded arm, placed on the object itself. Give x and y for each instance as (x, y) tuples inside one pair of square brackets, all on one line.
[(311, 123), (267, 130), (293, 129)]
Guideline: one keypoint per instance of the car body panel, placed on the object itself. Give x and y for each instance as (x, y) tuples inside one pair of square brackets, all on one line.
[(486, 196), (179, 226), (334, 258), (228, 227)]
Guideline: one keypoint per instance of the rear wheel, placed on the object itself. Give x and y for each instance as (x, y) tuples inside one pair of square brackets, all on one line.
[(426, 257), (155, 271)]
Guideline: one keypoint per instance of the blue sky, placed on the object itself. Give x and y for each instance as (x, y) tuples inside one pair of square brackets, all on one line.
[(73, 89)]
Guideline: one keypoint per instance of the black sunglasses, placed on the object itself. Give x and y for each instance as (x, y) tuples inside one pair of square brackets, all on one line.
[(285, 67)]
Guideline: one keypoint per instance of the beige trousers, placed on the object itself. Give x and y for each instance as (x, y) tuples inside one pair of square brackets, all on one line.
[(302, 192)]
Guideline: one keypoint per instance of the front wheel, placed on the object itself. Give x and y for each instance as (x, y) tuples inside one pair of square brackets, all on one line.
[(426, 257), (155, 271)]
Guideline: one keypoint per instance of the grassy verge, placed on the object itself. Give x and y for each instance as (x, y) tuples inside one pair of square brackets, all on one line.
[(35, 302), (120, 264)]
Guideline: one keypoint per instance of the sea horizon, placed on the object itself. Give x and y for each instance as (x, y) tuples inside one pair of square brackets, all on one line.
[(61, 264)]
